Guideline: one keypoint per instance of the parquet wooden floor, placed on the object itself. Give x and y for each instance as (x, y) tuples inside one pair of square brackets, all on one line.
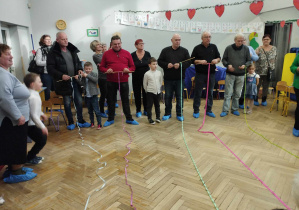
[(160, 170)]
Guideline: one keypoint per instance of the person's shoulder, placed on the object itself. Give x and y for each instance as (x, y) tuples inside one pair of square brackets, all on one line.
[(166, 48), (183, 48)]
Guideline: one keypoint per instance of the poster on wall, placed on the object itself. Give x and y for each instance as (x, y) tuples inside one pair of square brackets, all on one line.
[(189, 26)]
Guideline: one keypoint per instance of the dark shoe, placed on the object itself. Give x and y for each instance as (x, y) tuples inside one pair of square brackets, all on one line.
[(33, 161), (158, 120), (151, 121)]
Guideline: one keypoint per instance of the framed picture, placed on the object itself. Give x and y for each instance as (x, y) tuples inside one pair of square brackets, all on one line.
[(92, 32)]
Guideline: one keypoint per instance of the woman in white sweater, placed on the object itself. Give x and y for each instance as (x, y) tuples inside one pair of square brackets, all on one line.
[(37, 131)]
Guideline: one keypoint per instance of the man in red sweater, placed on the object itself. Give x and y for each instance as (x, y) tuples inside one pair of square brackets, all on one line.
[(117, 63)]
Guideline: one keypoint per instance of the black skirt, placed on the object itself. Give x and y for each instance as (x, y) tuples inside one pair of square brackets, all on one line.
[(13, 143)]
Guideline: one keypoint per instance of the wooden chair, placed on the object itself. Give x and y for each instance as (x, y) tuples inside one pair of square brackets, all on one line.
[(290, 89), (48, 110), (131, 98), (192, 86), (220, 82), (57, 101), (281, 93)]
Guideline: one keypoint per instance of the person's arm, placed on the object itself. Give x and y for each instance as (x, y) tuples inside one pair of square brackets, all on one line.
[(186, 64), (7, 103), (39, 58), (145, 82), (35, 111), (93, 77), (248, 58), (225, 58), (103, 67), (257, 81), (295, 66), (162, 60), (217, 58), (253, 55), (131, 65)]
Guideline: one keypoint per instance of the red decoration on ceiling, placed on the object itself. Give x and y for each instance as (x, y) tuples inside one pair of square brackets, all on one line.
[(296, 4), (298, 22), (168, 15), (219, 9), (191, 13), (282, 23), (256, 8)]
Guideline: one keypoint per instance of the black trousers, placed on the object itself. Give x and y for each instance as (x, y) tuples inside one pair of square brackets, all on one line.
[(103, 89), (124, 94), (296, 126), (153, 99), (39, 138), (137, 81), (13, 143)]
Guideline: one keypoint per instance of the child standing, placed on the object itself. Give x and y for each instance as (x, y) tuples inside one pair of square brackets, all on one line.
[(152, 83), (252, 80), (89, 81), (37, 131)]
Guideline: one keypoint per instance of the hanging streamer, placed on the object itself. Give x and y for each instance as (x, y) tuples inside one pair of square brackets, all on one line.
[(199, 130), (201, 179), (103, 164)]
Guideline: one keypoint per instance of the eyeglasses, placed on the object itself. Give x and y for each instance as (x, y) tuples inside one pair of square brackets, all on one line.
[(207, 37), (140, 43)]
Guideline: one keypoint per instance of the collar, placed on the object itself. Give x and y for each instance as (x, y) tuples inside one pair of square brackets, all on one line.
[(237, 48), (205, 46)]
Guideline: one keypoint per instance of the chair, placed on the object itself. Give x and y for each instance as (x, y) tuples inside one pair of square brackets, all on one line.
[(220, 82), (48, 110), (290, 89), (281, 93), (192, 87), (131, 98), (57, 101)]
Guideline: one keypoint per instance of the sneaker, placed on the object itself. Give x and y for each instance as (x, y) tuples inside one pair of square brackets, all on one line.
[(104, 115), (151, 121), (107, 123), (264, 103), (71, 127), (19, 178), (138, 114), (211, 114), (256, 103), (158, 120), (196, 115), (92, 125), (166, 117), (180, 118), (223, 114), (241, 106), (99, 127), (33, 161), (249, 112), (84, 124), (116, 105), (237, 113), (39, 158), (133, 122), (295, 132), (145, 113)]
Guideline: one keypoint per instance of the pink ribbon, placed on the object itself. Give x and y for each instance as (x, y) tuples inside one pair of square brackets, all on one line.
[(210, 132)]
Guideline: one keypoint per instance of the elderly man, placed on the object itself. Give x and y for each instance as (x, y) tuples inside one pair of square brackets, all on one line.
[(169, 60), (62, 64), (117, 63), (204, 53), (236, 57)]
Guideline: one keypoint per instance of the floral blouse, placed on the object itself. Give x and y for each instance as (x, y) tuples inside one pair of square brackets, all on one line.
[(262, 63)]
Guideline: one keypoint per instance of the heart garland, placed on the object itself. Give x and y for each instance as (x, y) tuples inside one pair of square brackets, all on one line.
[(219, 9), (256, 8), (296, 4), (282, 23), (191, 13), (168, 15)]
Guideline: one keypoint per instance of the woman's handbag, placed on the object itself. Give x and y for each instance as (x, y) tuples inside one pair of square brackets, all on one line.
[(34, 68)]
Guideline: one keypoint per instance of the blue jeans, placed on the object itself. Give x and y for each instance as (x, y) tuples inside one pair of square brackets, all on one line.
[(48, 83), (176, 86), (93, 106), (77, 97), (233, 89), (200, 82)]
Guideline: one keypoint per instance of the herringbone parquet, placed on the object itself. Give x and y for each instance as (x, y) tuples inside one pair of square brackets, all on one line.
[(160, 170)]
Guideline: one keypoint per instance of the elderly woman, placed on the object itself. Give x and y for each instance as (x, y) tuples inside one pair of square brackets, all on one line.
[(41, 60), (14, 116), (97, 47), (267, 58), (140, 58)]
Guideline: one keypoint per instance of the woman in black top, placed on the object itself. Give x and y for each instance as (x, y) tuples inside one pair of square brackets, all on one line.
[(140, 58)]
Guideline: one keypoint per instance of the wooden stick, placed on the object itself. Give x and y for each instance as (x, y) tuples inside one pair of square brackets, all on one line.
[(187, 60)]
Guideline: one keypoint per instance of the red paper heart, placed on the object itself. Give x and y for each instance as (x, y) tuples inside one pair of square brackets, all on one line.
[(256, 8), (191, 13), (298, 22), (282, 23), (296, 4), (219, 9), (168, 15)]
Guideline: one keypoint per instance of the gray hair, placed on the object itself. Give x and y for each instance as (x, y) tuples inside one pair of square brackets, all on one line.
[(239, 35), (205, 32)]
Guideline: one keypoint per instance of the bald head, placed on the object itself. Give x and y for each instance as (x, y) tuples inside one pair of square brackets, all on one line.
[(176, 41), (206, 38), (61, 39)]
